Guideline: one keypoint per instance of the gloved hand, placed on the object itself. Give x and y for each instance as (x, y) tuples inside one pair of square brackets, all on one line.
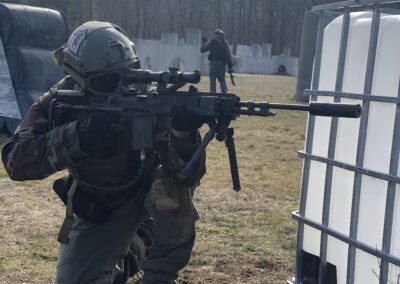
[(230, 71), (184, 119), (204, 39), (98, 135)]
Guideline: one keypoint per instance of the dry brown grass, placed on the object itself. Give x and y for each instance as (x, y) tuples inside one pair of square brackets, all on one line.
[(245, 237)]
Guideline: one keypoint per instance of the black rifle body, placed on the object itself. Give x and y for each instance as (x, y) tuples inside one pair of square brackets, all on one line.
[(217, 110)]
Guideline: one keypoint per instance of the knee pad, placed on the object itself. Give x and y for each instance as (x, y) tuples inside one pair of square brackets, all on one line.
[(168, 196)]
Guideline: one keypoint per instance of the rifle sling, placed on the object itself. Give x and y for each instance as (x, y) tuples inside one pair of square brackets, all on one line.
[(69, 215)]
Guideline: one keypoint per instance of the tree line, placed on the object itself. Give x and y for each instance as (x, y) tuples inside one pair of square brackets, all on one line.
[(245, 21)]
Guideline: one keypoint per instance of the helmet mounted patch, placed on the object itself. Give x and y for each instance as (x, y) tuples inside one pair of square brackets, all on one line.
[(76, 41)]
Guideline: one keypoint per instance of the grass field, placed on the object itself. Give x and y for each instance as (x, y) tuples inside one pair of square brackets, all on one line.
[(245, 237)]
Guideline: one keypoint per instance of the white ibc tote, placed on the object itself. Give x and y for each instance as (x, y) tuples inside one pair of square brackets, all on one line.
[(349, 217)]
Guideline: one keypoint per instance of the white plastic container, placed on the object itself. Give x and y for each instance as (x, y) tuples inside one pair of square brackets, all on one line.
[(378, 145)]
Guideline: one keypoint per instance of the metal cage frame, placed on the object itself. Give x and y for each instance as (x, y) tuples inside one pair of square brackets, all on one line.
[(344, 8)]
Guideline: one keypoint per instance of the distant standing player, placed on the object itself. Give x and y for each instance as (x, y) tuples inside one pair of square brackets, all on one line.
[(219, 57)]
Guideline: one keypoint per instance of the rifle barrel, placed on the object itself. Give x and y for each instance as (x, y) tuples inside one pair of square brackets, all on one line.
[(335, 109), (321, 109)]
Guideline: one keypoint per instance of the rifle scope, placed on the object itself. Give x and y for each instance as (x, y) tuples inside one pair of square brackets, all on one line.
[(173, 76)]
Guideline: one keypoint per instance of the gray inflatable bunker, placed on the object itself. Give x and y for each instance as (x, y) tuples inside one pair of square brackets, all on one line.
[(29, 34), (32, 26), (32, 68)]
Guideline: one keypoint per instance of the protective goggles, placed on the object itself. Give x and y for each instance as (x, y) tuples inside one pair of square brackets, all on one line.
[(104, 83), (101, 83)]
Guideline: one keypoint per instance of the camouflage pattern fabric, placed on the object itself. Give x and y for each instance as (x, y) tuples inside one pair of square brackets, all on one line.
[(37, 150)]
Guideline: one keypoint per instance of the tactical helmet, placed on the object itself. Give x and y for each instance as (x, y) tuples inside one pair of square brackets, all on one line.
[(219, 32), (94, 49)]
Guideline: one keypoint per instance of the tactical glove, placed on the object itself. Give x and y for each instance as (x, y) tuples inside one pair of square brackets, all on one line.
[(204, 39), (97, 135), (184, 119), (230, 71)]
